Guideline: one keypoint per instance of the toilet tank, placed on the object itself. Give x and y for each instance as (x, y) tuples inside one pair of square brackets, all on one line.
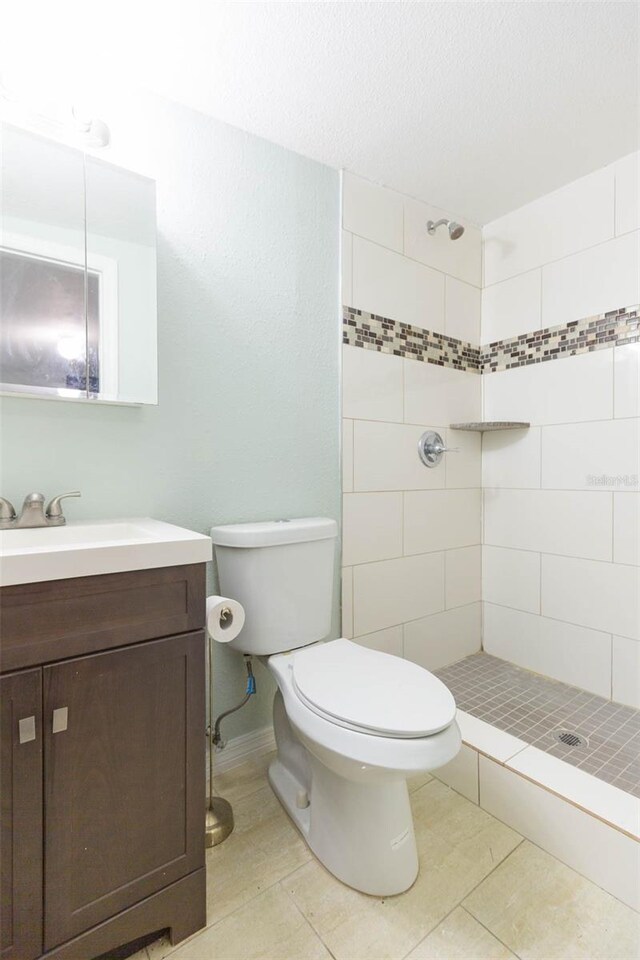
[(282, 573)]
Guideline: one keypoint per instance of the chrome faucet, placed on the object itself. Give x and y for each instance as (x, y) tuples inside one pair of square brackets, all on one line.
[(33, 513)]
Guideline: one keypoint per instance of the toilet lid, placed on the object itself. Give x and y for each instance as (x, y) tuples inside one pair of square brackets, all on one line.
[(373, 692)]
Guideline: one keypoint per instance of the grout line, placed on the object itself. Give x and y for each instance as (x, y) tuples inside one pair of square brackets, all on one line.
[(303, 914), (404, 234), (488, 929), (540, 587), (414, 946), (553, 490), (611, 688), (540, 449), (500, 863), (533, 424), (568, 256), (411, 556), (541, 314), (422, 263), (562, 556), (403, 623), (444, 579)]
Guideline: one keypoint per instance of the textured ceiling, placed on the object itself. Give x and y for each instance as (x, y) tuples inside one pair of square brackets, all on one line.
[(477, 106)]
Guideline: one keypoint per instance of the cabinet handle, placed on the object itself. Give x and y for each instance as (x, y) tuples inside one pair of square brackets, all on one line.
[(27, 729), (60, 719)]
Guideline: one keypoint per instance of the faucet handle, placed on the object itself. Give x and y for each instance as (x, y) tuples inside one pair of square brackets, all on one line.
[(7, 510), (54, 510)]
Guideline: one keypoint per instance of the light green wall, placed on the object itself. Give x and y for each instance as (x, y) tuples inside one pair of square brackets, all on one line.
[(248, 324)]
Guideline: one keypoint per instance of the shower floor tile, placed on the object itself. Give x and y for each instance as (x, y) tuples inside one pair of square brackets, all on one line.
[(533, 708)]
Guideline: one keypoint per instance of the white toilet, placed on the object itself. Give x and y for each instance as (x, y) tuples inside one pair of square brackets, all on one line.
[(351, 724)]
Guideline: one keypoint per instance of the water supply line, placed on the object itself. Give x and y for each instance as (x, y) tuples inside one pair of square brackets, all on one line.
[(217, 740)]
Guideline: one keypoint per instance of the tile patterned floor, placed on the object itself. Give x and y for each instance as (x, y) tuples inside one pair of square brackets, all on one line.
[(483, 893), (531, 707)]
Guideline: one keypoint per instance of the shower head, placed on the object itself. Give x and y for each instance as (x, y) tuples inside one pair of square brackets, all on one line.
[(455, 229)]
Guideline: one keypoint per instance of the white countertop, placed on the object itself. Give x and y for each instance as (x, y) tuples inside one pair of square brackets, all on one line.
[(90, 548)]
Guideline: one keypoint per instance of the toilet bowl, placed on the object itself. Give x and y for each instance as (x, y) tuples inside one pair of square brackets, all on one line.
[(347, 789), (351, 724)]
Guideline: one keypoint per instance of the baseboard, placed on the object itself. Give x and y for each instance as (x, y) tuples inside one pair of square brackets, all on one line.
[(239, 750)]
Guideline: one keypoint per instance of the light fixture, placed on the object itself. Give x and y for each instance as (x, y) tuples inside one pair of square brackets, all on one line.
[(35, 110)]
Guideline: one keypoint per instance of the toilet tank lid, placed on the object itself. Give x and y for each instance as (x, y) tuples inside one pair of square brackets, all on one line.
[(270, 533)]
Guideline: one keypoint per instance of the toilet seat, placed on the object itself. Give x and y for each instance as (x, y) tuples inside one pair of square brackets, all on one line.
[(371, 692)]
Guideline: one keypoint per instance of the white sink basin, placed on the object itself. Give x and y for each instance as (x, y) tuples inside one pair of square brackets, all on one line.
[(104, 546)]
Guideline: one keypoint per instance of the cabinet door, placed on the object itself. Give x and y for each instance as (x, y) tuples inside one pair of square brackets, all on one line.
[(124, 779), (21, 801)]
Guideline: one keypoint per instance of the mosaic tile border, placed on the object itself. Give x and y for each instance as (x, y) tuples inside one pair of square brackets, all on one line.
[(612, 329), (361, 329), (373, 332)]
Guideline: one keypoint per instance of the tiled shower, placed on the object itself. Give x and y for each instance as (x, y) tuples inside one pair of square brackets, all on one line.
[(512, 568), (549, 512)]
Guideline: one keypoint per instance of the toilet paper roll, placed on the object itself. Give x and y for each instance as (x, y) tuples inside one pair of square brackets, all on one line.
[(225, 618)]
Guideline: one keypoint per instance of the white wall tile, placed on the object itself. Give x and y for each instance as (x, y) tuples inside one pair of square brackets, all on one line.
[(347, 456), (602, 278), (605, 801), (372, 211), (511, 458), (626, 671), (461, 773), (459, 258), (560, 391), (603, 596), (601, 853), (392, 591), (441, 520), (511, 578), (390, 285), (346, 257), (438, 640), (627, 174), (372, 385), (626, 372), (575, 217), (550, 521), (462, 310), (347, 602), (386, 641), (371, 527), (463, 464), (512, 307), (563, 651), (626, 528), (488, 739), (591, 456), (386, 458), (463, 576), (440, 395)]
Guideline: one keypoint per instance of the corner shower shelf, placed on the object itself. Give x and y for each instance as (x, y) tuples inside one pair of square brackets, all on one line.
[(486, 426)]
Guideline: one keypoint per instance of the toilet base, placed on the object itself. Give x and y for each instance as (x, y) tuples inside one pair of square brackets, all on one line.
[(361, 831)]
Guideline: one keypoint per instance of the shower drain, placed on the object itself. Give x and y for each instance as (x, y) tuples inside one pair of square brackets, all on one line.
[(570, 738)]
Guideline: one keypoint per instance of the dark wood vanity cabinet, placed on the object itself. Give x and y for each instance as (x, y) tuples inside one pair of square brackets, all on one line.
[(103, 800), (21, 825)]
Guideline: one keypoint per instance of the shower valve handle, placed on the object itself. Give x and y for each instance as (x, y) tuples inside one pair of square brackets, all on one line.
[(431, 448)]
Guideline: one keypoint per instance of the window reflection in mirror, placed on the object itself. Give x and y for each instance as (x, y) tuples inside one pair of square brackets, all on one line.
[(45, 340)]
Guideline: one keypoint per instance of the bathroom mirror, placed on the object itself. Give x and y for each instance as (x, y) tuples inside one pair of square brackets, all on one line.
[(77, 275)]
